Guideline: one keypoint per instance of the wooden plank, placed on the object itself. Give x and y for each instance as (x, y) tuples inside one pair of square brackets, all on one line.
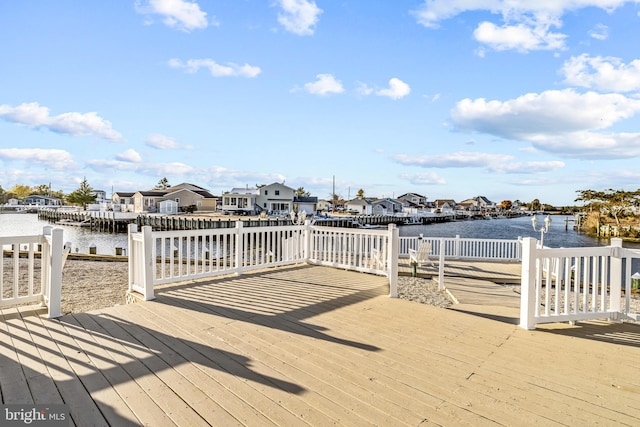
[(13, 382), (82, 408), (317, 374), (324, 409), (112, 406), (179, 373), (230, 370)]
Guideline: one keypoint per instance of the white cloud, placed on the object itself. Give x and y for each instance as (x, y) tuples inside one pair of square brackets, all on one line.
[(299, 16), (129, 155), (427, 178), (364, 89), (325, 84), (602, 73), (460, 159), (521, 37), (229, 70), (526, 167), (600, 32), (146, 168), (162, 142), (526, 24), (181, 14), (562, 122), (77, 124), (397, 89), (50, 158)]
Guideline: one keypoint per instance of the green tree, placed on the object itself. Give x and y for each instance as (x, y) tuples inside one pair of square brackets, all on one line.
[(163, 184), (83, 195), (614, 202), (42, 190), (535, 205), (360, 194), (301, 193)]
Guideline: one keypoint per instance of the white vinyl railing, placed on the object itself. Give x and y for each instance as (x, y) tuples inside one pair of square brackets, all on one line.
[(158, 257), (573, 284), (24, 258), (466, 248)]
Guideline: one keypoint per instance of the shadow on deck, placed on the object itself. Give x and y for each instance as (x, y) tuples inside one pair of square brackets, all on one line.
[(314, 346)]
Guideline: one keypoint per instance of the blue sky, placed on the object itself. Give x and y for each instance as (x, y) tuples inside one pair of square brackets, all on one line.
[(446, 98)]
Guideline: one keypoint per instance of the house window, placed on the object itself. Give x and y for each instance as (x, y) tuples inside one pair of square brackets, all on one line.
[(226, 201), (277, 192), (199, 203), (178, 200), (234, 201), (266, 192)]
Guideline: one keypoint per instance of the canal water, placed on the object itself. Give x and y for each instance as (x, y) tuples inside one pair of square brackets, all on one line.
[(559, 235), (81, 238)]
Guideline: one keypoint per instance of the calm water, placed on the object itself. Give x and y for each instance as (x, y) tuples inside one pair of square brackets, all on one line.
[(105, 243), (556, 237), (81, 238)]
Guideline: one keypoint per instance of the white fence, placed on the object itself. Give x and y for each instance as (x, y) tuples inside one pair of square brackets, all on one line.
[(24, 259), (465, 248), (572, 284), (157, 257)]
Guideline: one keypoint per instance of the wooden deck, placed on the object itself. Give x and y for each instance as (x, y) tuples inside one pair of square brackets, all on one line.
[(316, 346)]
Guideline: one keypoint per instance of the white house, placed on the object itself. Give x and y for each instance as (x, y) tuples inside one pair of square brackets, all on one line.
[(276, 198), (309, 205), (360, 206), (240, 200)]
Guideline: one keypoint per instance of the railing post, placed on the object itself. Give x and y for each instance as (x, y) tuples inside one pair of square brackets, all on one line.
[(615, 283), (457, 251), (392, 260), (441, 264), (528, 284), (240, 247), (133, 254), (55, 276), (306, 242), (149, 262)]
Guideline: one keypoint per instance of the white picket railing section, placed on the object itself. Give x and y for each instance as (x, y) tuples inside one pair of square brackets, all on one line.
[(572, 284), (157, 257), (466, 248), (21, 286)]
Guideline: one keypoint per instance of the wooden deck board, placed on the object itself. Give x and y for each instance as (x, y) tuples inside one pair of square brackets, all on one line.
[(317, 346)]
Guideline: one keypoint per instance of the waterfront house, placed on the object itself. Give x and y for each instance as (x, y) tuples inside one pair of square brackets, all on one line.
[(309, 205), (184, 195), (122, 201), (276, 198), (360, 206), (478, 204), (240, 200), (413, 199), (39, 200), (386, 206), (189, 195), (445, 206)]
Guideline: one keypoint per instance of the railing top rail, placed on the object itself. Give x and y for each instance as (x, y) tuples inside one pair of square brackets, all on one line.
[(6, 240), (560, 252), (373, 231)]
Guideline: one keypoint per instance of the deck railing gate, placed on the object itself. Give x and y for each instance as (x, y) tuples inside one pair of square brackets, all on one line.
[(573, 284), (20, 287)]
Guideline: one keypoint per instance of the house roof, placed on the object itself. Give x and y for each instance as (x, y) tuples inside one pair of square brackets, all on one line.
[(305, 200), (123, 194)]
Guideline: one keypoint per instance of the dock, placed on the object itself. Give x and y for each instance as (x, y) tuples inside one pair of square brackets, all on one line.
[(316, 346)]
